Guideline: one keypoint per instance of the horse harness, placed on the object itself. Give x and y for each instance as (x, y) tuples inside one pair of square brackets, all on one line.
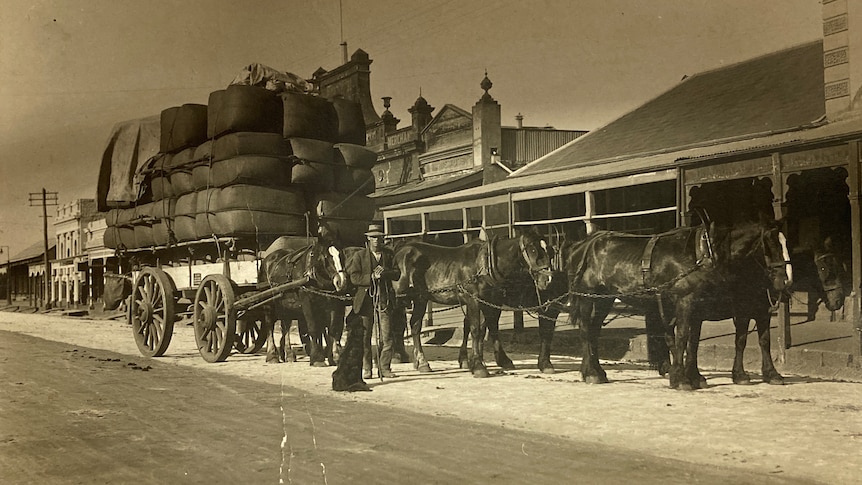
[(703, 250), (291, 260), (490, 265)]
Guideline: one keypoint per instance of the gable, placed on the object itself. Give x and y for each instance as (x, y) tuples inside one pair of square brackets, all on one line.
[(452, 127)]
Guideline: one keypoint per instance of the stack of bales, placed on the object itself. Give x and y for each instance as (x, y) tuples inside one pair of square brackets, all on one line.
[(256, 165)]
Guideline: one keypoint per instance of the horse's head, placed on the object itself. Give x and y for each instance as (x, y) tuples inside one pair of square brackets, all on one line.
[(339, 277), (758, 245), (534, 250), (326, 267), (832, 276)]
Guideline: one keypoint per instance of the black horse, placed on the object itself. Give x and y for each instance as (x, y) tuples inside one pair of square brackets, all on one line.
[(315, 305), (674, 278), (819, 272), (481, 276)]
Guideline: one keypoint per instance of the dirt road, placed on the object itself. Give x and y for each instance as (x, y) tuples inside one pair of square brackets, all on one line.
[(446, 427)]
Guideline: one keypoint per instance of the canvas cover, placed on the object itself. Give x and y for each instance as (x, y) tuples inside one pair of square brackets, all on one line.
[(263, 76), (129, 147)]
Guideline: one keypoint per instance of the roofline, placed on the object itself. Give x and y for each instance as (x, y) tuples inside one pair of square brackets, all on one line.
[(720, 141), (685, 78), (676, 158)]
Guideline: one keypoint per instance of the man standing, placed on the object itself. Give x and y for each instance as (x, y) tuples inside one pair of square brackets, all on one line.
[(372, 271)]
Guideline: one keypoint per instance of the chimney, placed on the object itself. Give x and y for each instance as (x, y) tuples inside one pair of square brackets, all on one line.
[(519, 120), (842, 57)]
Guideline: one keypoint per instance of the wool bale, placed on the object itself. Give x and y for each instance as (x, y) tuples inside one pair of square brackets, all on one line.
[(182, 127), (309, 116), (244, 108)]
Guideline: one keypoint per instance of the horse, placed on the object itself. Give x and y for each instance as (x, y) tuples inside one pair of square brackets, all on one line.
[(315, 305), (674, 278), (480, 276), (819, 272)]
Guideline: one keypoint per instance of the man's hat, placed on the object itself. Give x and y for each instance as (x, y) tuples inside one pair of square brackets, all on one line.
[(375, 230)]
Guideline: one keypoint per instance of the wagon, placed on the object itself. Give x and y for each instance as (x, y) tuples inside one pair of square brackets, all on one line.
[(214, 282)]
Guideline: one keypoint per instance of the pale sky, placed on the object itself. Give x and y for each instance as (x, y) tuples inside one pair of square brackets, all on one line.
[(70, 70)]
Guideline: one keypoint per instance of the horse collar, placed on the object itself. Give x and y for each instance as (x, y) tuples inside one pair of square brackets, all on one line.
[(492, 256)]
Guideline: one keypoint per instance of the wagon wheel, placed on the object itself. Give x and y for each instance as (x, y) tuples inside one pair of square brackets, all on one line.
[(151, 311), (215, 318), (251, 336)]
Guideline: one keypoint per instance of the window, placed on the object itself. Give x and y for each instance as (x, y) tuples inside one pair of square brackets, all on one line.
[(445, 220), (410, 224)]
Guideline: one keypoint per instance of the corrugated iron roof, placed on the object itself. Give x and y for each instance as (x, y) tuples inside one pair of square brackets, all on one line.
[(772, 93), (33, 251)]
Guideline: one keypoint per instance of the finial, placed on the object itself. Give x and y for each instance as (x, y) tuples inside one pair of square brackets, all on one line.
[(386, 100), (486, 83)]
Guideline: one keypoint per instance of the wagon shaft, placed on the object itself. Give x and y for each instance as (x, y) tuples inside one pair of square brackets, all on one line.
[(251, 300)]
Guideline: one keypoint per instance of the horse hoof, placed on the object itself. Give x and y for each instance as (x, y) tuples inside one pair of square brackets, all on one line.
[(424, 369), (507, 365), (272, 360), (742, 381), (463, 365), (595, 380), (685, 386), (775, 381), (319, 364), (548, 370), (481, 373)]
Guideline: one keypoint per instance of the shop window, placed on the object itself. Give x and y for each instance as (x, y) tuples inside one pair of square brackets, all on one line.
[(655, 195), (411, 224), (445, 220)]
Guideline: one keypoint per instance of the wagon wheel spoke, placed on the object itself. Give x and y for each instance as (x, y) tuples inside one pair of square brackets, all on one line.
[(215, 318), (152, 313)]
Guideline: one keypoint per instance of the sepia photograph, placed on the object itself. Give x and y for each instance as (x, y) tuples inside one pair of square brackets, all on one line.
[(430, 241)]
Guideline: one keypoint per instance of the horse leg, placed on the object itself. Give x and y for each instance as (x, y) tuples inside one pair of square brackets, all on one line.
[(335, 330), (592, 314), (738, 373), (398, 321), (268, 326), (463, 357), (547, 322), (315, 313), (491, 318), (419, 307), (770, 374), (659, 340), (697, 379), (477, 333), (678, 377), (285, 350)]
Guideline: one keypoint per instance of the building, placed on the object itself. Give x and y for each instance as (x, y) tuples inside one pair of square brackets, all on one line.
[(779, 135), (437, 153), (28, 273), (70, 267)]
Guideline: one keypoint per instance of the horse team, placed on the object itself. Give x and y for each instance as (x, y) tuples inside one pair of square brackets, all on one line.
[(676, 280)]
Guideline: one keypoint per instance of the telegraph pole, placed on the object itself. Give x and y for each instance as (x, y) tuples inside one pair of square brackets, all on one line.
[(45, 199)]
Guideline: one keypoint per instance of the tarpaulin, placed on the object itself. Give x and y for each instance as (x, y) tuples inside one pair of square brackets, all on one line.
[(272, 79), (129, 147)]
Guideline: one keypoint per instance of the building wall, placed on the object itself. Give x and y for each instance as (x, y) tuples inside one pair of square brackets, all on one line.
[(69, 282)]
